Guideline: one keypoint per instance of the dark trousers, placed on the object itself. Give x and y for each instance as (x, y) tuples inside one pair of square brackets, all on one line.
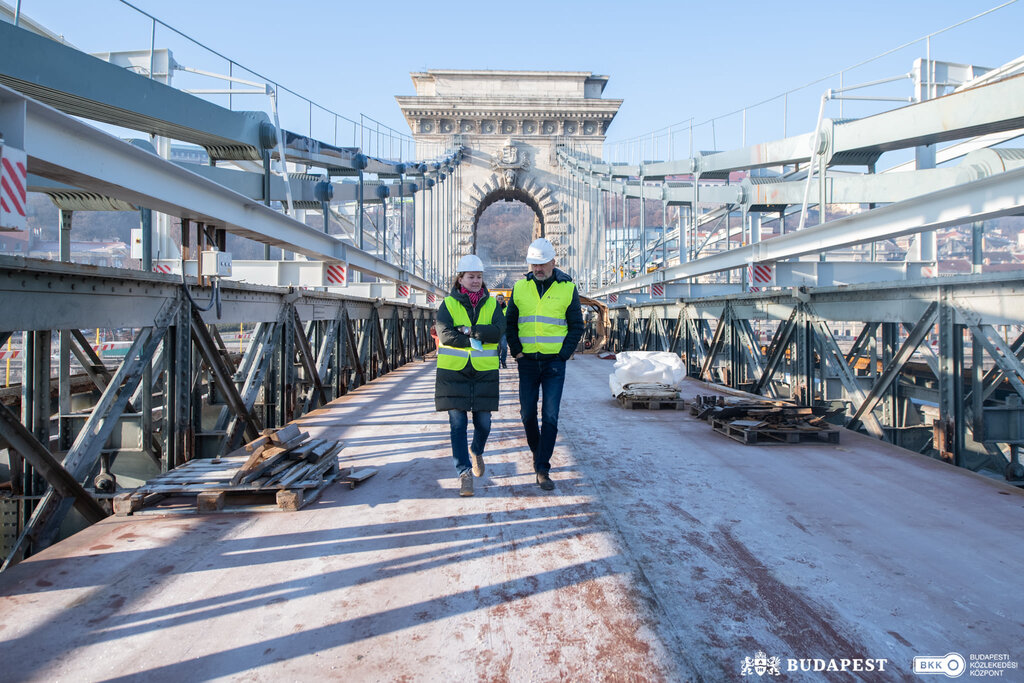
[(502, 350), (458, 420), (535, 377)]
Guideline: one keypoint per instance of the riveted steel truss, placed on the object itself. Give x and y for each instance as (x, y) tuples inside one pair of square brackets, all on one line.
[(189, 385), (918, 364)]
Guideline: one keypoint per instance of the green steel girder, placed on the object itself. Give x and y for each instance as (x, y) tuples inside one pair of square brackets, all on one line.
[(308, 363), (836, 360), (892, 370), (777, 351), (42, 527)]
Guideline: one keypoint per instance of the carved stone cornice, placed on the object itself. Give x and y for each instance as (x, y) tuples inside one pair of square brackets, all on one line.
[(431, 122), (571, 108)]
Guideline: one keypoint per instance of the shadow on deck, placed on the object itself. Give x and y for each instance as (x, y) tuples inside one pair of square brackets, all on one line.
[(666, 552)]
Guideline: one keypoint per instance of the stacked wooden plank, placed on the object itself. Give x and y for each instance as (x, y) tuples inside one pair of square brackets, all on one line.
[(717, 407), (283, 469), (650, 396), (281, 457), (766, 421)]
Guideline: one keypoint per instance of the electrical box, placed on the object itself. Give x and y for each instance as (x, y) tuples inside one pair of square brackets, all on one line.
[(136, 243), (213, 263)]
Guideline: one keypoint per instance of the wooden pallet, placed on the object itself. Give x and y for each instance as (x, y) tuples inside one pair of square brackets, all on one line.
[(205, 485), (650, 403), (757, 432)]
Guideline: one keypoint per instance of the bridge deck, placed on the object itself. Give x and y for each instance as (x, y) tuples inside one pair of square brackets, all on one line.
[(666, 552)]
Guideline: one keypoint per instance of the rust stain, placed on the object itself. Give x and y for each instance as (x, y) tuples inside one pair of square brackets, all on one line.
[(900, 638), (791, 617), (797, 524), (682, 513), (101, 546)]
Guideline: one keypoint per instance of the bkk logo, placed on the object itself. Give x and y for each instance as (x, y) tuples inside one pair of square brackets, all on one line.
[(952, 665)]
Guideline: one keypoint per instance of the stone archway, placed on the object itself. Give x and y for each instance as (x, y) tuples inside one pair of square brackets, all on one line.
[(508, 125), (510, 195)]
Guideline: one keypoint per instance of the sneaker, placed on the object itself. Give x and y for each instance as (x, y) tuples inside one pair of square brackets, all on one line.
[(465, 484), (478, 463), (545, 481)]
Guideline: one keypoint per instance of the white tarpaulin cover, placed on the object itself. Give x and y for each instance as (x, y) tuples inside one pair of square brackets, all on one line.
[(647, 367)]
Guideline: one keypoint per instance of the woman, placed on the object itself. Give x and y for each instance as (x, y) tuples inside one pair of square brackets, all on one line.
[(469, 325), (502, 343)]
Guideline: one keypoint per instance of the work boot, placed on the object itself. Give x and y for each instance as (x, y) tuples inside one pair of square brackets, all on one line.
[(478, 463), (544, 481), (466, 484)]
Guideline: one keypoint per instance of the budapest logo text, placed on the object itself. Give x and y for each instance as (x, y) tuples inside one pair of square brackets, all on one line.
[(761, 664)]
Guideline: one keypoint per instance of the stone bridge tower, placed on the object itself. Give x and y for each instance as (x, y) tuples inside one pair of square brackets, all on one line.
[(509, 123)]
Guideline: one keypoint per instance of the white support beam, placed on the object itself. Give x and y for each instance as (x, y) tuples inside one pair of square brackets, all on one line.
[(991, 108), (997, 195), (64, 149)]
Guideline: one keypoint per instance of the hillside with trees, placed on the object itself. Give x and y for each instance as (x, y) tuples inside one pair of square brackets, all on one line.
[(504, 231)]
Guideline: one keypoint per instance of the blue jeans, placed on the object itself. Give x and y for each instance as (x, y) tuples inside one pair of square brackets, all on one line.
[(459, 421), (536, 376), (502, 350)]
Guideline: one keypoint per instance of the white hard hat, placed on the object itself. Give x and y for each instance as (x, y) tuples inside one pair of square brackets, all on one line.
[(540, 251), (470, 263)]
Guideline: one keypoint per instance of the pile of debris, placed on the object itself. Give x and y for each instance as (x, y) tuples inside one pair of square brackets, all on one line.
[(647, 379), (753, 421), (281, 457), (283, 469), (650, 395)]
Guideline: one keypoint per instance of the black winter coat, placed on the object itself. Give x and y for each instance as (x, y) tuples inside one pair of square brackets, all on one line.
[(467, 389)]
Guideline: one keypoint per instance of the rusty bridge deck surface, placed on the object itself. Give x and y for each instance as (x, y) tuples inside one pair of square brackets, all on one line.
[(666, 552)]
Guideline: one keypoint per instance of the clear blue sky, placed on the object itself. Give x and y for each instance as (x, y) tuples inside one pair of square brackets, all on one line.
[(668, 60)]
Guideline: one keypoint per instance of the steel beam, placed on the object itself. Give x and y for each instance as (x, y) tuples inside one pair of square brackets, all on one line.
[(836, 360), (48, 514), (308, 361), (21, 440), (986, 109), (66, 150), (204, 341), (998, 195), (82, 85), (895, 366)]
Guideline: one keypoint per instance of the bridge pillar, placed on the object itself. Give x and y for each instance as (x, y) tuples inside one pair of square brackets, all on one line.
[(509, 124)]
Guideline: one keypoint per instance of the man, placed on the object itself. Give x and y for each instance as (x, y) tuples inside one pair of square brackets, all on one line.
[(544, 325)]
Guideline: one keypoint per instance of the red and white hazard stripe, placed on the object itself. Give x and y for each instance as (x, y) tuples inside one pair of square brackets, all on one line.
[(657, 290), (161, 268), (760, 275), (13, 188), (612, 298), (431, 298), (335, 274), (403, 290), (10, 355)]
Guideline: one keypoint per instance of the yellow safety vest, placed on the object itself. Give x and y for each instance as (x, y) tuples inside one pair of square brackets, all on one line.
[(455, 358), (542, 323)]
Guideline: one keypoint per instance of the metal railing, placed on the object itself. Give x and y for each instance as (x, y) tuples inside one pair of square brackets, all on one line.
[(689, 135)]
